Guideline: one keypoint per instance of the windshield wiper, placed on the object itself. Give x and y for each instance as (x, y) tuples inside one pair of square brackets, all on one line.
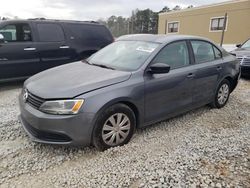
[(103, 66), (86, 61), (99, 65)]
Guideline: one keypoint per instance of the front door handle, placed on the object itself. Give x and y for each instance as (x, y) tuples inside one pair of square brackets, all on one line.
[(29, 49), (64, 47), (190, 75)]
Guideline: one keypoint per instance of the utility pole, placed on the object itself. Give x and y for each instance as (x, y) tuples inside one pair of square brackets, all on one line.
[(166, 22), (132, 29), (128, 26), (223, 31)]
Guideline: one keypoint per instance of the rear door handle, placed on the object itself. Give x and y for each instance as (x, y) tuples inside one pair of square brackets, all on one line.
[(64, 47), (219, 68), (190, 75), (29, 49)]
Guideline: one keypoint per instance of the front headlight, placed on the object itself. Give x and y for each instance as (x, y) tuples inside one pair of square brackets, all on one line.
[(62, 107)]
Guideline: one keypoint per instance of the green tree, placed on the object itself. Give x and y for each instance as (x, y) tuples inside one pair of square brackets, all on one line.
[(145, 21), (177, 7), (165, 9), (190, 6)]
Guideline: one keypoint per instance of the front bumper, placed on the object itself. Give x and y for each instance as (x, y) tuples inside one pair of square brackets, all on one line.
[(56, 129)]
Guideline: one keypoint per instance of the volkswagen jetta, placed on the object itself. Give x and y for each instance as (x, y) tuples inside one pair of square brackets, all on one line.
[(134, 82)]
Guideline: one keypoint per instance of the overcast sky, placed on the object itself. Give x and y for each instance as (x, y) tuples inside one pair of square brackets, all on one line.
[(87, 9)]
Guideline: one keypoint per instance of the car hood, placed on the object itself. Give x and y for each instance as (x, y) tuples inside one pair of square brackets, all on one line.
[(71, 80), (241, 52)]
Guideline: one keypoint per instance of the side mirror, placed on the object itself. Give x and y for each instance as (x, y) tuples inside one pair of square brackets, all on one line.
[(238, 45), (159, 68), (1, 38)]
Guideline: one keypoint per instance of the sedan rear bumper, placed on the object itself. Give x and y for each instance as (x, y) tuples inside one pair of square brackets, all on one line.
[(56, 129)]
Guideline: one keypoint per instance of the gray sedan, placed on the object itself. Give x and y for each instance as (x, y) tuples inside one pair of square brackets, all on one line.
[(134, 82)]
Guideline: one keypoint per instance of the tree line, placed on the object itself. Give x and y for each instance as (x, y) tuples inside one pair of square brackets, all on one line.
[(140, 21)]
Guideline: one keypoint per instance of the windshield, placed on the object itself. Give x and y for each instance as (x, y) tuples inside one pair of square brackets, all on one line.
[(124, 55), (246, 44)]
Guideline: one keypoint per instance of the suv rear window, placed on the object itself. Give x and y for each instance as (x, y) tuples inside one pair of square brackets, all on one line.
[(90, 32), (50, 32)]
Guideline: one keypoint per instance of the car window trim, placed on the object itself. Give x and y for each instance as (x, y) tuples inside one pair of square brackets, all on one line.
[(19, 42), (62, 25), (181, 40), (213, 46), (191, 52), (214, 52)]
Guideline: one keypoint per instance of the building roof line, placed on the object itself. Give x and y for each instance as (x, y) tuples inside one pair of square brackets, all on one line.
[(202, 7), (207, 13)]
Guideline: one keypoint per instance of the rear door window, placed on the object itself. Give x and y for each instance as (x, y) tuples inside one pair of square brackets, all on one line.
[(49, 32), (204, 51), (90, 32), (20, 32)]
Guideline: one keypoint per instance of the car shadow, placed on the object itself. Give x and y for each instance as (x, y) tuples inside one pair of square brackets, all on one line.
[(67, 149), (11, 85), (247, 78)]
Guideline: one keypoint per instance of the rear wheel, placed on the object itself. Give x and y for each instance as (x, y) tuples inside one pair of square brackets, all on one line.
[(222, 94), (114, 127)]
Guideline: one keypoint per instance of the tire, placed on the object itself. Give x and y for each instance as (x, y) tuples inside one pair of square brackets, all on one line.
[(222, 94), (107, 133)]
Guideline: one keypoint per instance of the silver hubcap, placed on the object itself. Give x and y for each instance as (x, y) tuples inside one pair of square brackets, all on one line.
[(223, 94), (116, 129)]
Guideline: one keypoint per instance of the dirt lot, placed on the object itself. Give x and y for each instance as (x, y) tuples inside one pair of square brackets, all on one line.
[(203, 148)]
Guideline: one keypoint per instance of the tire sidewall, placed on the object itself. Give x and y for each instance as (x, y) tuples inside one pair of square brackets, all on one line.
[(103, 116), (216, 103)]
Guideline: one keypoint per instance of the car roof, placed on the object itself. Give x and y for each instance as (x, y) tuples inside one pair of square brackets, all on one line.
[(158, 38), (42, 20)]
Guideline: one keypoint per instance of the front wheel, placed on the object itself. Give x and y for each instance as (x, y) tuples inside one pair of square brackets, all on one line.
[(222, 94), (114, 127)]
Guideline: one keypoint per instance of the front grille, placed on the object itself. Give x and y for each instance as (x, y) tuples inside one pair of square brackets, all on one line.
[(34, 101), (244, 60)]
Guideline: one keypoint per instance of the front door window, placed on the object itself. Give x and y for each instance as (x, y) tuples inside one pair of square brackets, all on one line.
[(174, 54), (16, 33)]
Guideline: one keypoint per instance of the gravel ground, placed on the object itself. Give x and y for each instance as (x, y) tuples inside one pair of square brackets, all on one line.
[(203, 148)]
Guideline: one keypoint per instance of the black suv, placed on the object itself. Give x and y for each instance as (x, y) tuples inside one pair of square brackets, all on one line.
[(31, 46)]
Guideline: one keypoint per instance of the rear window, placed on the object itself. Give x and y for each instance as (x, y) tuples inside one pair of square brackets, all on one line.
[(50, 32), (90, 32)]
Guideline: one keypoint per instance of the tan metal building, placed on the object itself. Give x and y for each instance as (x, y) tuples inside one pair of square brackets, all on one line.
[(207, 21)]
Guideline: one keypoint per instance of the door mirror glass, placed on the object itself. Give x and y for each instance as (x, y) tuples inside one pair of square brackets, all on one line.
[(159, 68), (238, 45), (1, 38)]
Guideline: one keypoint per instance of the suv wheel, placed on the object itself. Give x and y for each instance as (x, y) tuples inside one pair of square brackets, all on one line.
[(222, 94), (114, 127)]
